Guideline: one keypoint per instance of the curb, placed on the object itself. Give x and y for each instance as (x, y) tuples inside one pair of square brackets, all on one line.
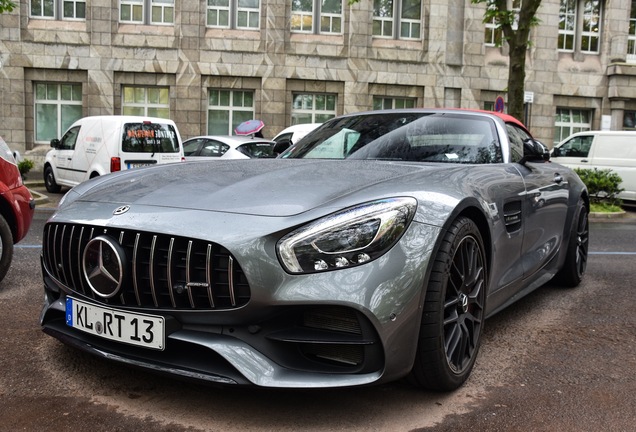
[(603, 216)]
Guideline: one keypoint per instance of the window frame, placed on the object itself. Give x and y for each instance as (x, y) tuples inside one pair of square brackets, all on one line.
[(315, 16), (148, 8), (234, 11), (390, 102), (574, 16), (565, 128), (493, 34), (397, 20), (58, 11), (233, 108), (631, 35), (147, 105), (302, 113), (61, 123)]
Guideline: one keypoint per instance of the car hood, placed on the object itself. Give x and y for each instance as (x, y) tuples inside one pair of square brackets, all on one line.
[(266, 187)]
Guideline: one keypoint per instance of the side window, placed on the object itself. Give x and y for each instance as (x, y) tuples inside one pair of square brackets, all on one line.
[(577, 146), (191, 147), (69, 139), (213, 149), (516, 136)]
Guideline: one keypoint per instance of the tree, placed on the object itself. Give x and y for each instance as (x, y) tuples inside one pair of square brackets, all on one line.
[(6, 6), (515, 25)]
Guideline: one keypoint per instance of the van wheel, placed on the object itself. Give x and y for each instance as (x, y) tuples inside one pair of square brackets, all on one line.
[(49, 181), (6, 247)]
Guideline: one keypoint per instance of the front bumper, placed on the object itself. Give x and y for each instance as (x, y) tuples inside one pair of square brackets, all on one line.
[(348, 327)]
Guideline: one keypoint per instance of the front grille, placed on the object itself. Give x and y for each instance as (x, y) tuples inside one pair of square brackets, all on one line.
[(162, 271)]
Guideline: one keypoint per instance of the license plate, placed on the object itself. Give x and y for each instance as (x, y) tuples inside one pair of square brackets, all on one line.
[(137, 165), (127, 327)]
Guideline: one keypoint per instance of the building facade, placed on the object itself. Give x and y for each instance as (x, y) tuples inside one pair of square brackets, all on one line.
[(210, 64)]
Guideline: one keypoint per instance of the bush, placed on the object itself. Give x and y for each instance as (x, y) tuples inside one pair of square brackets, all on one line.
[(602, 185), (25, 166)]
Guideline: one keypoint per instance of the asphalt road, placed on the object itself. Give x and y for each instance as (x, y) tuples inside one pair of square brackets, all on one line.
[(558, 360)]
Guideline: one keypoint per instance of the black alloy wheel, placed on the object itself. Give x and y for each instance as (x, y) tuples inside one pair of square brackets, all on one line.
[(454, 310)]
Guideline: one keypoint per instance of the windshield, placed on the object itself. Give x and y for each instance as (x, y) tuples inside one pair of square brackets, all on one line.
[(149, 137), (405, 136)]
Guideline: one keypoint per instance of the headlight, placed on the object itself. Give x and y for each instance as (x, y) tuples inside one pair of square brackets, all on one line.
[(347, 238)]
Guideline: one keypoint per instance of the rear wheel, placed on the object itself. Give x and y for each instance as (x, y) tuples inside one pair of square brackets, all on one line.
[(571, 274), (6, 247), (49, 181), (454, 309)]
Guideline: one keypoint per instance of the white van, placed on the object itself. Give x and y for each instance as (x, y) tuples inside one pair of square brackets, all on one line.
[(614, 150), (99, 145)]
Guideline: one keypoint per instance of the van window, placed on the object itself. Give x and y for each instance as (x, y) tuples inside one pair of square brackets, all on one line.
[(149, 138), (576, 147), (69, 139)]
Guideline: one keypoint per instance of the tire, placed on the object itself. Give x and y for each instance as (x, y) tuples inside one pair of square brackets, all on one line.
[(573, 270), (49, 181), (6, 247), (454, 310)]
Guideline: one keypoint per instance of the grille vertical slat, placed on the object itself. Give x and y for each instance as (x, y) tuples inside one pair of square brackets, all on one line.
[(164, 272), (230, 280), (188, 257), (170, 288), (152, 270), (134, 267), (208, 272)]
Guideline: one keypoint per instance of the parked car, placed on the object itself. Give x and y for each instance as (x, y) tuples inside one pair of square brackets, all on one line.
[(292, 134), (98, 145), (613, 150), (16, 207), (212, 147), (372, 250)]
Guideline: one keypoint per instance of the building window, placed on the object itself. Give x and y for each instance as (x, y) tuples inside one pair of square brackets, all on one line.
[(397, 19), (57, 106), (580, 26), (146, 12), (227, 109), (59, 9), (146, 101), (237, 14), (631, 37), (569, 121), (493, 35), (629, 120), (317, 16), (313, 108), (380, 102)]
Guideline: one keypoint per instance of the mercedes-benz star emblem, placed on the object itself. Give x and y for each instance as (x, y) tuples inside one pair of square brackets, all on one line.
[(103, 265), (121, 210)]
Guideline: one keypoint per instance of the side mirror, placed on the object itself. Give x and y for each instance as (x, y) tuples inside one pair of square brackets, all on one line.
[(557, 152), (534, 150), (55, 143)]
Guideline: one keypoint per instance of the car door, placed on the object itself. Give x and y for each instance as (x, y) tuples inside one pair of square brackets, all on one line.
[(544, 208), (64, 156)]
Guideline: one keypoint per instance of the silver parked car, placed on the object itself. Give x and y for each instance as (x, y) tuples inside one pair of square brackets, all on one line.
[(372, 250)]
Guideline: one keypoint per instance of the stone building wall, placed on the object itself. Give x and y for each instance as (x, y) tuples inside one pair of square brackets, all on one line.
[(450, 66)]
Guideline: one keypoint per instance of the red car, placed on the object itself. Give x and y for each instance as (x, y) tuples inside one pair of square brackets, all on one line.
[(16, 207)]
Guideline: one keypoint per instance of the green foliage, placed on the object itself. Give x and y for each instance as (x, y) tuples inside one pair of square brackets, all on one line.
[(604, 208), (25, 166), (7, 6), (602, 185)]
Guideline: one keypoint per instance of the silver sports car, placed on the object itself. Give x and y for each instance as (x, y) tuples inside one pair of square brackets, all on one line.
[(371, 250)]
